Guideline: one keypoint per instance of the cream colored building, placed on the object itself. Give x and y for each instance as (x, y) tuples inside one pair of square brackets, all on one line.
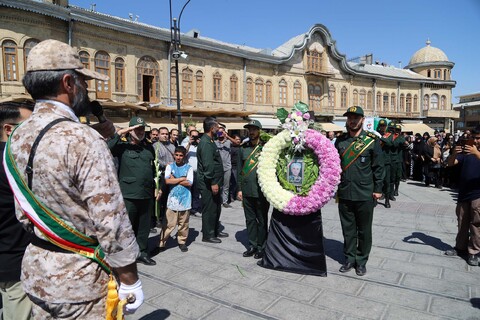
[(469, 108), (225, 79)]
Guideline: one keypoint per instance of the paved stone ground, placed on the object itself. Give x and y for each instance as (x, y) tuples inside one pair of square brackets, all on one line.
[(408, 275)]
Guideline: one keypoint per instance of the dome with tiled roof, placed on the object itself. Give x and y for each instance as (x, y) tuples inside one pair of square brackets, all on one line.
[(428, 54)]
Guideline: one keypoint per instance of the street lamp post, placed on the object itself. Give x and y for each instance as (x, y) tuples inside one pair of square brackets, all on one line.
[(177, 54)]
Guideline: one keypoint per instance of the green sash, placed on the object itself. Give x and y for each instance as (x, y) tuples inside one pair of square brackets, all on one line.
[(354, 150), (52, 226), (252, 161)]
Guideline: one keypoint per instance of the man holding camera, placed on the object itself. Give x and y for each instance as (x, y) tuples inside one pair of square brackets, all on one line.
[(468, 204)]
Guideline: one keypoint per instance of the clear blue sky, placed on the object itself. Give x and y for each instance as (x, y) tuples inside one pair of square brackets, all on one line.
[(392, 30)]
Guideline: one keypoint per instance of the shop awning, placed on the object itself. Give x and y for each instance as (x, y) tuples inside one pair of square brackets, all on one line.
[(417, 128)]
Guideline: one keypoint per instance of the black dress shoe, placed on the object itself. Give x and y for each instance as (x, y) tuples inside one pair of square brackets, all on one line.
[(183, 247), (361, 270), (259, 255), (250, 252), (387, 204), (146, 261), (347, 267), (392, 198), (222, 235), (226, 205), (212, 240)]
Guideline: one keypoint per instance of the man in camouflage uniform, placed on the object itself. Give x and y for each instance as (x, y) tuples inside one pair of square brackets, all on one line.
[(361, 184), (73, 175)]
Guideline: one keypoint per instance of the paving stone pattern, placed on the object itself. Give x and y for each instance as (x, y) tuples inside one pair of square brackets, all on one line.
[(408, 276)]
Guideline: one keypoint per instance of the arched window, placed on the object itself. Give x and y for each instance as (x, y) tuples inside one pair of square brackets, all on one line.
[(297, 92), (402, 102), (148, 80), (268, 92), (415, 103), (173, 84), (233, 88), (429, 73), (369, 100), (443, 103), (385, 102), (119, 75), (426, 102), (29, 44), (343, 98), (249, 90), (355, 97), (409, 103), (217, 86), (393, 102), (314, 96), (445, 74), (10, 64), (331, 97), (282, 92), (379, 101), (362, 98), (314, 61), (199, 85), (85, 60), (259, 91), (102, 65), (434, 101), (187, 87)]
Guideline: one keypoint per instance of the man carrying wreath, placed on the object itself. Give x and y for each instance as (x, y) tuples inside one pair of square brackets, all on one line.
[(255, 205), (361, 184)]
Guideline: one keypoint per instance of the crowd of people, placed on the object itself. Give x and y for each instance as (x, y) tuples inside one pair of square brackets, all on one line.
[(83, 212)]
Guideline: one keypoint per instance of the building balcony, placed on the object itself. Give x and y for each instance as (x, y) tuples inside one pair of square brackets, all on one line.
[(323, 72)]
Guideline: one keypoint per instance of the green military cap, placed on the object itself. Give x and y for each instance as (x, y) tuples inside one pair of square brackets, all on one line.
[(392, 124), (137, 121), (354, 110), (253, 123), (397, 126), (382, 122)]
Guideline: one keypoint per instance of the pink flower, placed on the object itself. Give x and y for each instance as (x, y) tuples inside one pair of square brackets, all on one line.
[(306, 116)]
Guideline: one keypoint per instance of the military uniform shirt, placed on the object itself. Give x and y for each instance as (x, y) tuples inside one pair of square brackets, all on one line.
[(74, 175), (364, 176), (248, 184), (210, 167)]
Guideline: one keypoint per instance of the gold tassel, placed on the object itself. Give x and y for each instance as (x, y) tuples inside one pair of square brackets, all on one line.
[(112, 299)]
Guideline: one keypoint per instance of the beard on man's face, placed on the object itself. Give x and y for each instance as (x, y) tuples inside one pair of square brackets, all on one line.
[(81, 101)]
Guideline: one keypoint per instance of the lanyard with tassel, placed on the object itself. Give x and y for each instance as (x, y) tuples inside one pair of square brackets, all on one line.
[(114, 304)]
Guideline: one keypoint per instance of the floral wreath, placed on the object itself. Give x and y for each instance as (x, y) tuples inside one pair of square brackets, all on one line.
[(298, 139)]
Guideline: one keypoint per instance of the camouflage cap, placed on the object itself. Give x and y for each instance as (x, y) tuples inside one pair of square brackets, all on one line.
[(253, 123), (354, 110), (55, 55), (137, 121)]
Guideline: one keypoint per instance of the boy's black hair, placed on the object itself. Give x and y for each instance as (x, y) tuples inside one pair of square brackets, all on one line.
[(181, 149)]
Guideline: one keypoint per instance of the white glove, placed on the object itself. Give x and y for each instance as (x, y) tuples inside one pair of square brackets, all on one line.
[(135, 289)]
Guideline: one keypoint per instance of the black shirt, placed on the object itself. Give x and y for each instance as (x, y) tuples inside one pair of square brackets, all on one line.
[(13, 238)]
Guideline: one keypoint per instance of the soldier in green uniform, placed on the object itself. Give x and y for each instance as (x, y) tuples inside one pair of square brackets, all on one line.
[(135, 174), (386, 143), (361, 183), (255, 205), (210, 181), (399, 144)]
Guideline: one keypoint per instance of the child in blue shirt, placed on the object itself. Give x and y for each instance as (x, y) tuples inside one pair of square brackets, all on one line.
[(179, 177)]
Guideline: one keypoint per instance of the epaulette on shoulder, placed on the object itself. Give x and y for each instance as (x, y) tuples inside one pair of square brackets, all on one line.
[(372, 135)]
